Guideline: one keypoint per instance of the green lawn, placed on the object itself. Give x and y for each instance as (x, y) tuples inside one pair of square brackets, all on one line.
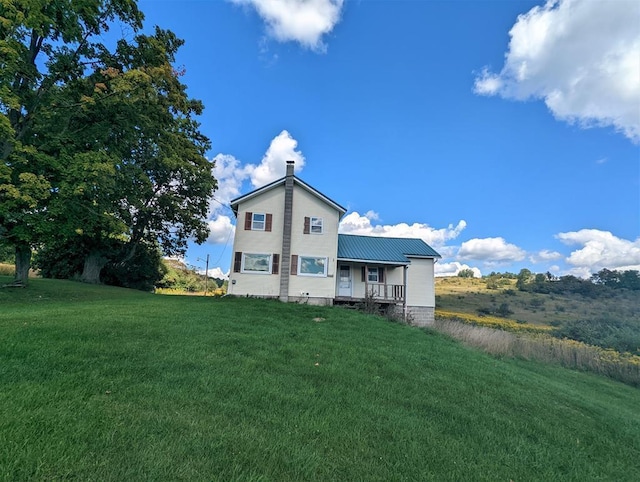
[(100, 383)]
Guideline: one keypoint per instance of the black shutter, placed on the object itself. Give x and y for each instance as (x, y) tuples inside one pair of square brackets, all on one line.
[(237, 263), (275, 264)]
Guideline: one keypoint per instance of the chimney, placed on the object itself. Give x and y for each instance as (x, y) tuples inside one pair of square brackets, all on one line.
[(290, 165), (285, 263)]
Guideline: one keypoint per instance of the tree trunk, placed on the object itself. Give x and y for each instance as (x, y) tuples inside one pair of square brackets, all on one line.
[(93, 265), (23, 263)]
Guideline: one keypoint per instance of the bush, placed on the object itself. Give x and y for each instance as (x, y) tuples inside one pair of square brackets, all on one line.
[(620, 335)]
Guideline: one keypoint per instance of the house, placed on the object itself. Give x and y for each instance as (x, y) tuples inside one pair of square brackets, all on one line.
[(287, 246)]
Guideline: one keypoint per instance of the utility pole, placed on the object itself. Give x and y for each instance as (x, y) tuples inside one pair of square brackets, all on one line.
[(206, 274)]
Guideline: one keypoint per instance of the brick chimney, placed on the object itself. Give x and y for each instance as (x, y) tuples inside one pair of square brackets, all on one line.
[(285, 264)]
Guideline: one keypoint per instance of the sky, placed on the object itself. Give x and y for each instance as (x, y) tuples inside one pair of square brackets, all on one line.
[(506, 134)]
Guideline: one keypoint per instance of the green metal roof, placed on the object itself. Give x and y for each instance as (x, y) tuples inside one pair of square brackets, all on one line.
[(382, 250)]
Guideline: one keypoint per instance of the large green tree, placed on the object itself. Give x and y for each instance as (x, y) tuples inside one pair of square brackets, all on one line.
[(44, 46), (110, 155)]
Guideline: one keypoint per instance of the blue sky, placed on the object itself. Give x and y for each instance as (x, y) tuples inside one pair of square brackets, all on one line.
[(504, 133)]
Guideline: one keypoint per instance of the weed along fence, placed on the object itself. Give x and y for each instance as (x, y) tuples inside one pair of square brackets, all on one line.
[(531, 342)]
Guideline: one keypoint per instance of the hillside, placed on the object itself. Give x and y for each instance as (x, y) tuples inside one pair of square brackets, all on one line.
[(471, 295), (112, 384)]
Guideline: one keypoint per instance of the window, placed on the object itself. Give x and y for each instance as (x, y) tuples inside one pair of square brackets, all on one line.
[(312, 225), (256, 263), (257, 221), (316, 225), (312, 266), (373, 274)]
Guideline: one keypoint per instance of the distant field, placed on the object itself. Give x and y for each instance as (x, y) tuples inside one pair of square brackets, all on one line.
[(101, 383), (468, 295)]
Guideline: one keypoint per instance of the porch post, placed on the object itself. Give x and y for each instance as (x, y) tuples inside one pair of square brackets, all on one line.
[(404, 292), (366, 281)]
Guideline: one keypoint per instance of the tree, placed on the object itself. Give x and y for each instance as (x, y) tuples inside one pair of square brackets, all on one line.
[(146, 178), (523, 279), (116, 158), (466, 273), (45, 46)]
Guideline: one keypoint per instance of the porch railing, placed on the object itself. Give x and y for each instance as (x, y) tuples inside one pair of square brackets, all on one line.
[(386, 292)]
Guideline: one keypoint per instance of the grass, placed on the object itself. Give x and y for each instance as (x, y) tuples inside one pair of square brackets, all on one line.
[(111, 384)]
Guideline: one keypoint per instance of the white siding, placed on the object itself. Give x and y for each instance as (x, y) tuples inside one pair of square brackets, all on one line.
[(324, 245), (420, 283), (271, 202)]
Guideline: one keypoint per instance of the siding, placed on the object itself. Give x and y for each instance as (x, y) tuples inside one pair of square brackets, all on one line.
[(420, 283)]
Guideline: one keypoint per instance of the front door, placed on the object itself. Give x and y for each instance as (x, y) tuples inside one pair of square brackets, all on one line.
[(344, 281)]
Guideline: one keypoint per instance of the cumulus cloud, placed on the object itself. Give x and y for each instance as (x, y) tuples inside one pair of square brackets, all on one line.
[(544, 256), (302, 21), (453, 268), (600, 249), (215, 273), (221, 230), (490, 250), (274, 163), (355, 223), (581, 56)]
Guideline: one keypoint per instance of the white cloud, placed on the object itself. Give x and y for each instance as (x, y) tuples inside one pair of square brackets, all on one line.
[(544, 256), (215, 273), (274, 163), (453, 268), (490, 250), (302, 21), (355, 223), (230, 176), (581, 56), (221, 230), (600, 249)]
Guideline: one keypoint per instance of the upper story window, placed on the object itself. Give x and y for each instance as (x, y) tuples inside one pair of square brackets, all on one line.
[(313, 225), (257, 221)]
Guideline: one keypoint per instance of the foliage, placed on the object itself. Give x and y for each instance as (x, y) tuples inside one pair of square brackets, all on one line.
[(178, 278), (46, 47), (607, 332), (466, 273), (486, 320), (600, 284), (109, 150), (125, 385)]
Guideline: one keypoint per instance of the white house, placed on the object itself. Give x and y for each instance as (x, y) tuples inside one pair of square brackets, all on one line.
[(287, 246)]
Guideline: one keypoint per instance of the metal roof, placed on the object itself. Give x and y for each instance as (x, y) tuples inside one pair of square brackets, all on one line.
[(382, 250), (278, 182)]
